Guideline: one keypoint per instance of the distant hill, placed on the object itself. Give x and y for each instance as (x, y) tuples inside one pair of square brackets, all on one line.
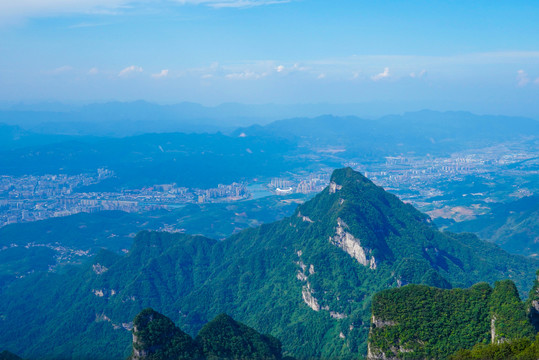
[(514, 226), (120, 119), (417, 132), (307, 280), (14, 137), (190, 160)]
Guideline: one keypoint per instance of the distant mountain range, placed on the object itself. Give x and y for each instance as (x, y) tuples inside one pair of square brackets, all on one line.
[(189, 160), (139, 117), (421, 133), (205, 160), (307, 280)]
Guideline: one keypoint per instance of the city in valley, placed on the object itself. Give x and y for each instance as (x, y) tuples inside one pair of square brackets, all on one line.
[(422, 181)]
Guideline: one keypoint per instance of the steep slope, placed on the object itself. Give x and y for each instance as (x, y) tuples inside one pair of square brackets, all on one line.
[(513, 226), (307, 279), (155, 337), (225, 338), (421, 322)]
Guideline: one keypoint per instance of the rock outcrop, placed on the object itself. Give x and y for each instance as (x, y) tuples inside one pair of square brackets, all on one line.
[(352, 246)]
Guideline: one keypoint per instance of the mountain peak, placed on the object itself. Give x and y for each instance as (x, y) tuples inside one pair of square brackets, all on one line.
[(347, 177), (155, 336)]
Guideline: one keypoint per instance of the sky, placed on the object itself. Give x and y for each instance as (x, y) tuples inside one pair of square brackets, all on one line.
[(479, 56)]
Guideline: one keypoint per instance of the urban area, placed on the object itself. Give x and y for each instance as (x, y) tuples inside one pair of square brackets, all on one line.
[(30, 197)]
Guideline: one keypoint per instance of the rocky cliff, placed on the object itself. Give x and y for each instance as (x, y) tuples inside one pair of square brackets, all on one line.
[(422, 322)]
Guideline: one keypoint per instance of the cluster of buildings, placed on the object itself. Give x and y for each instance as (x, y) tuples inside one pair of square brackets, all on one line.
[(415, 179), (30, 198), (399, 171), (418, 179), (300, 183)]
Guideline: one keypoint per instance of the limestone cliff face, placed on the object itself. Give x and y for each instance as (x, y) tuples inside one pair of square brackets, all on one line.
[(373, 353), (352, 246)]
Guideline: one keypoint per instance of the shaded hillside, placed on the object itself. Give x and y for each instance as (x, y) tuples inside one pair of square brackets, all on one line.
[(189, 160), (514, 226), (307, 279), (416, 132), (6, 355)]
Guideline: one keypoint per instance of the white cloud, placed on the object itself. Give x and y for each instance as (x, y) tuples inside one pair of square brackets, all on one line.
[(321, 76), (207, 76), (245, 75), (163, 73), (384, 74), (280, 68), (522, 78), (536, 81), (93, 71), (129, 70)]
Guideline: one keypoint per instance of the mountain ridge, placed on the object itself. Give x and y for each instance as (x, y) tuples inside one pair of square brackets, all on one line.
[(307, 279)]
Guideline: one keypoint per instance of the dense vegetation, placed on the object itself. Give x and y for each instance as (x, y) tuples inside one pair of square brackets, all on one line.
[(157, 338), (418, 322), (514, 226), (6, 355), (288, 278), (224, 338), (55, 242), (520, 349)]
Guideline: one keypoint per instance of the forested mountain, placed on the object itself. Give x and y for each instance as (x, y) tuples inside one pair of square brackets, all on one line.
[(421, 322), (513, 225), (41, 245), (155, 337), (307, 279)]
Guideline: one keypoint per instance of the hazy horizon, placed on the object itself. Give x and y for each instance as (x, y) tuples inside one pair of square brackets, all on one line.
[(389, 57)]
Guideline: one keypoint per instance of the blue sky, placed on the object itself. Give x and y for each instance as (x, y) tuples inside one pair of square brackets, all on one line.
[(481, 56)]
